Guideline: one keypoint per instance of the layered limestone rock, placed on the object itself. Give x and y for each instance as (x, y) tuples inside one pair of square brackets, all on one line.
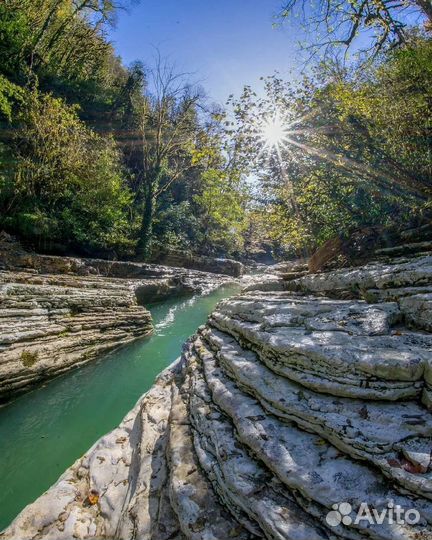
[(58, 313), (14, 257), (298, 396), (51, 323), (207, 264)]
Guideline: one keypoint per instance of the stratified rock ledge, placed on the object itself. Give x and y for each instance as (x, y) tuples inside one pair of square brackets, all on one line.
[(301, 393), (57, 313)]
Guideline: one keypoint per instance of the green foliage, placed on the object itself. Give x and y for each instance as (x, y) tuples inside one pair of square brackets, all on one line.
[(97, 162), (355, 147), (393, 107), (29, 358), (68, 184), (10, 95), (7, 178), (222, 204), (91, 160), (177, 227), (328, 204), (15, 31)]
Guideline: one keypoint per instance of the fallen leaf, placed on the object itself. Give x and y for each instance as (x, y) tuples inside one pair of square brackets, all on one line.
[(93, 497), (412, 467)]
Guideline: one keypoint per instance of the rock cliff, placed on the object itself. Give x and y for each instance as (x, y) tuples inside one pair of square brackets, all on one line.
[(58, 313), (302, 401)]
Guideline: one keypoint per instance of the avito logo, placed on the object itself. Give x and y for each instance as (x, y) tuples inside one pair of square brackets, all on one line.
[(342, 513)]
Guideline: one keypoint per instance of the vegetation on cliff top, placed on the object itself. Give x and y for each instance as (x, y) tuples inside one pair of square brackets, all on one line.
[(354, 147), (104, 159)]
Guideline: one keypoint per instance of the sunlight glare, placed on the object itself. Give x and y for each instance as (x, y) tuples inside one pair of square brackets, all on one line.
[(273, 132)]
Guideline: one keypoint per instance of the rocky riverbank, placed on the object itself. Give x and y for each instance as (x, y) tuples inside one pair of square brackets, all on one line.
[(302, 400), (57, 313)]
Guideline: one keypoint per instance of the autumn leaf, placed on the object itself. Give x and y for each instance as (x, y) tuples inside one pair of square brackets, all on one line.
[(93, 497)]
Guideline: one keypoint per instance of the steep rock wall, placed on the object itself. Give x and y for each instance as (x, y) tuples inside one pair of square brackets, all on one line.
[(196, 262), (52, 323)]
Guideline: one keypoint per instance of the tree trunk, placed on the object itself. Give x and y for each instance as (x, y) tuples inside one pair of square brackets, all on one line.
[(143, 251), (144, 243)]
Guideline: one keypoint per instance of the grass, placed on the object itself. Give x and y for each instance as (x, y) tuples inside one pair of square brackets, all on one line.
[(29, 358)]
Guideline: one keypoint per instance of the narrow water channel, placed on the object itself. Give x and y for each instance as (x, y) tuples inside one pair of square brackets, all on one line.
[(45, 431)]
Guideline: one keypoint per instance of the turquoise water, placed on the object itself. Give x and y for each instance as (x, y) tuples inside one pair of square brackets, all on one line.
[(45, 431)]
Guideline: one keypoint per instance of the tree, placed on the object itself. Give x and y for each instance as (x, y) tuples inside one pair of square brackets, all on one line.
[(222, 205), (391, 104), (68, 181), (118, 150), (340, 149), (379, 23), (35, 30), (168, 130), (222, 195)]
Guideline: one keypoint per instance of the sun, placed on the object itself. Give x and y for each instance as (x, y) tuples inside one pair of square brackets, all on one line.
[(273, 132)]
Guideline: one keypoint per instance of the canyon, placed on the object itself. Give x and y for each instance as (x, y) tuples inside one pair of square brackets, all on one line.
[(302, 395)]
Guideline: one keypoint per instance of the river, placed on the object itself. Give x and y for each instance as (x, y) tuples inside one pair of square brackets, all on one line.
[(43, 432)]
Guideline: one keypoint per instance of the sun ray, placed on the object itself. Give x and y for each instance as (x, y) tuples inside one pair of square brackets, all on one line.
[(273, 132)]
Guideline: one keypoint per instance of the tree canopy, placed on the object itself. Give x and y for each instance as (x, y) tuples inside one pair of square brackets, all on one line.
[(126, 161), (341, 148), (367, 25), (98, 157)]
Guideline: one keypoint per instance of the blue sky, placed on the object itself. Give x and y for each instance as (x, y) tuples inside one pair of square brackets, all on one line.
[(224, 43)]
